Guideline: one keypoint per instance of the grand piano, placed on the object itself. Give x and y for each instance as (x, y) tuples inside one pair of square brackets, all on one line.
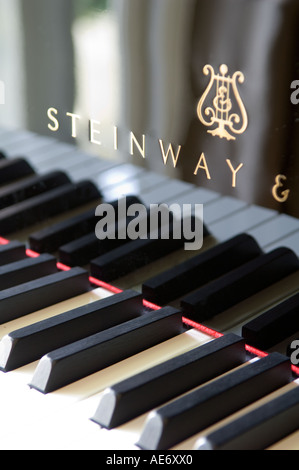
[(121, 344)]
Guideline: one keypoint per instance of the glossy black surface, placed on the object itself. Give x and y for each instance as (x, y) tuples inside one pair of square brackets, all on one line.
[(139, 66)]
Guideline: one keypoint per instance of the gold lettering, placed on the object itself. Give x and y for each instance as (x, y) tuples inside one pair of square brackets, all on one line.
[(170, 151), (74, 122), (94, 132), (52, 128), (234, 172), (135, 141), (278, 185), (202, 165)]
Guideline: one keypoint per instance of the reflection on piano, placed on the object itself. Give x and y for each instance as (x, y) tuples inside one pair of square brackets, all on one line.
[(165, 355)]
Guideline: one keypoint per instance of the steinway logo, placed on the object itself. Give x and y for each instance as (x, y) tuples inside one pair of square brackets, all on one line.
[(220, 106), (170, 154), (221, 112)]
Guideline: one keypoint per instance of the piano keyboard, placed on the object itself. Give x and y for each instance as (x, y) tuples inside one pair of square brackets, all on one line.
[(154, 358)]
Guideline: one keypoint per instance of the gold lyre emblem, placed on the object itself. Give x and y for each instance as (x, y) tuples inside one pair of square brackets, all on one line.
[(223, 112)]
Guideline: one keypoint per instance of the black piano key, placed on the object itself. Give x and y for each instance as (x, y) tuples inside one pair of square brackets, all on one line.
[(140, 393), (258, 429), (82, 358), (30, 187), (134, 255), (14, 169), (26, 298), (81, 251), (11, 252), (51, 238), (240, 284), (273, 326), (131, 256), (26, 270), (39, 208), (29, 344), (200, 270), (2, 155), (207, 405)]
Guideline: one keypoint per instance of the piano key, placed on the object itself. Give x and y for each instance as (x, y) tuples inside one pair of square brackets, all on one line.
[(82, 250), (12, 170), (273, 326), (43, 152), (16, 144), (167, 193), (29, 344), (201, 269), (259, 428), (275, 231), (138, 185), (242, 221), (138, 394), (222, 208), (36, 412), (32, 186), (13, 136), (52, 237), (77, 360), (132, 256), (116, 175), (95, 165), (210, 403), (26, 298), (291, 242), (46, 205), (12, 251), (66, 162), (52, 310), (240, 284), (26, 270), (2, 155), (199, 196)]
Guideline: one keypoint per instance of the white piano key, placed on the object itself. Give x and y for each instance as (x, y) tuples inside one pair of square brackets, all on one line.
[(167, 193), (138, 185), (33, 145), (39, 156), (222, 208), (275, 230), (199, 196), (44, 417), (291, 242), (17, 137), (65, 160), (242, 221), (95, 165), (116, 175), (32, 407)]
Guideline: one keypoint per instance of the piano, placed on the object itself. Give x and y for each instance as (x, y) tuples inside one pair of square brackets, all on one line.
[(141, 345)]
